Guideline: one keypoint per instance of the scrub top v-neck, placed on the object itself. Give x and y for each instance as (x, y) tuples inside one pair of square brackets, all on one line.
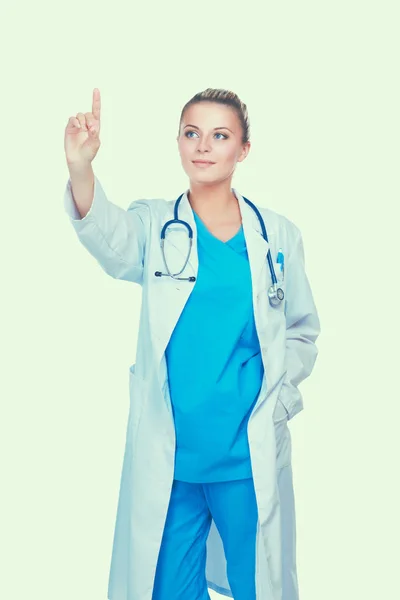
[(214, 362)]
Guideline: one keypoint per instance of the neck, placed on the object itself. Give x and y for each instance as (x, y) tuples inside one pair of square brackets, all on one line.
[(214, 201)]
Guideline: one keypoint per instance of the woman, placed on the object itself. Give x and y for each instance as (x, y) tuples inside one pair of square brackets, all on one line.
[(206, 496)]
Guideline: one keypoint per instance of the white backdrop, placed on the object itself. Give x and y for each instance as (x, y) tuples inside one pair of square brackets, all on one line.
[(320, 82)]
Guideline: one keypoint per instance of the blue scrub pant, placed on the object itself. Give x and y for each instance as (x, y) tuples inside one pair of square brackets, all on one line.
[(181, 567)]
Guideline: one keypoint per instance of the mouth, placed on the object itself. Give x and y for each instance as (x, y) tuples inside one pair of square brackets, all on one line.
[(203, 163)]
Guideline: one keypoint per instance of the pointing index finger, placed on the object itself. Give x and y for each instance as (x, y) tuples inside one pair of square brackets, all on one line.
[(96, 105)]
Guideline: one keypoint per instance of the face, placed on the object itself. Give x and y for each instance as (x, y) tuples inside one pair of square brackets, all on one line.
[(211, 132)]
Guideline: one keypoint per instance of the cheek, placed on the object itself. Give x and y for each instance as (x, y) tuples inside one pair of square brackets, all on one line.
[(227, 154), (184, 150)]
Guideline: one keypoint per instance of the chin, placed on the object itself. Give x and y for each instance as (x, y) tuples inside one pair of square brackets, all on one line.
[(200, 175), (204, 180)]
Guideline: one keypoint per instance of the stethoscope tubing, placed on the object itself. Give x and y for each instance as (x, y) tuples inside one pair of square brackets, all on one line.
[(275, 294)]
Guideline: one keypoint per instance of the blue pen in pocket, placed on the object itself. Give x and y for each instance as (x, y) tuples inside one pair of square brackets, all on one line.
[(280, 259)]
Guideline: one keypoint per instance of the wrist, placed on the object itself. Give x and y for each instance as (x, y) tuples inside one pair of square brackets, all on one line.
[(82, 168)]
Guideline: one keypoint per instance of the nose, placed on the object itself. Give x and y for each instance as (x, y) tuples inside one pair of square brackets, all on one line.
[(203, 145)]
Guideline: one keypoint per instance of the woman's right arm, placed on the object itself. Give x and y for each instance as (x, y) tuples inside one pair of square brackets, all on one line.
[(81, 179), (114, 236)]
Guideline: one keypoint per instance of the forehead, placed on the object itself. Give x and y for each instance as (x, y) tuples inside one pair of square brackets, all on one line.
[(209, 115)]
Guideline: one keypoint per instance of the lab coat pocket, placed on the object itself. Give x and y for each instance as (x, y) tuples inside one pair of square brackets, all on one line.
[(267, 283), (281, 283), (280, 275)]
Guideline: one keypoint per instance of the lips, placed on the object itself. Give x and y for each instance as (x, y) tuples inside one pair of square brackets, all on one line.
[(203, 162)]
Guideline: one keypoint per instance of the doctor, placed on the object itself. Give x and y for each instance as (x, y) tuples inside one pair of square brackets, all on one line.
[(227, 332)]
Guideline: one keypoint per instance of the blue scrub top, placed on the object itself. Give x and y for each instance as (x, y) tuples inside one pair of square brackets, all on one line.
[(214, 365)]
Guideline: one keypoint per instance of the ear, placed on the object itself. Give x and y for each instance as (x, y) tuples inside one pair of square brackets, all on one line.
[(245, 151)]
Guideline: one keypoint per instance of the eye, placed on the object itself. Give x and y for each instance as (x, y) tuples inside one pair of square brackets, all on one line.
[(187, 133), (218, 133)]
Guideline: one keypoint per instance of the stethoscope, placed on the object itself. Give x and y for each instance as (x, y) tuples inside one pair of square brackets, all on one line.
[(275, 293)]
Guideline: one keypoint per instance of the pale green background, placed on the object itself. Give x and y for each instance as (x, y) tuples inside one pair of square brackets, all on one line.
[(320, 81)]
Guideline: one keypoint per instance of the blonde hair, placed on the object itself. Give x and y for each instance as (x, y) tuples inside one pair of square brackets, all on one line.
[(227, 98)]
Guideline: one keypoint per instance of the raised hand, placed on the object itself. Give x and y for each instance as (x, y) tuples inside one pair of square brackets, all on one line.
[(81, 139)]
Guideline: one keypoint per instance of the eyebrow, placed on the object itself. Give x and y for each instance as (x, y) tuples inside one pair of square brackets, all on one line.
[(215, 128)]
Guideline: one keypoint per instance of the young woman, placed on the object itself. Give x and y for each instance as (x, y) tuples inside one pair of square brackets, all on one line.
[(227, 332)]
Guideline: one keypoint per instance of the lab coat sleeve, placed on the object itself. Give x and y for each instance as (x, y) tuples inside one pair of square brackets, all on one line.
[(302, 328), (116, 237)]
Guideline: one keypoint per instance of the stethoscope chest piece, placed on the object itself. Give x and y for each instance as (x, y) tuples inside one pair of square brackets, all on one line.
[(275, 295)]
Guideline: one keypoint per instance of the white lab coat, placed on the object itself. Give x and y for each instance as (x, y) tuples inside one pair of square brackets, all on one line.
[(126, 244)]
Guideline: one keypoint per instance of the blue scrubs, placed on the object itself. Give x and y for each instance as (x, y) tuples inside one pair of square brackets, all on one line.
[(215, 374), (214, 364), (181, 567)]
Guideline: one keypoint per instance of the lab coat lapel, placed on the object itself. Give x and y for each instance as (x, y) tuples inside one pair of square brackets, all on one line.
[(178, 239), (257, 251), (257, 246), (173, 294)]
